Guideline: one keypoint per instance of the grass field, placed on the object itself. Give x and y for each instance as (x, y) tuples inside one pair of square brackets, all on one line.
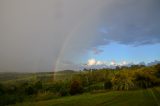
[(148, 97), (45, 76)]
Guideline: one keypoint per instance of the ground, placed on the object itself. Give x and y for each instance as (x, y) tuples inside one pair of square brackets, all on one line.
[(148, 97)]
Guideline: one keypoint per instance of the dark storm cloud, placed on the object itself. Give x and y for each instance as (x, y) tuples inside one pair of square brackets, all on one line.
[(132, 22), (35, 34)]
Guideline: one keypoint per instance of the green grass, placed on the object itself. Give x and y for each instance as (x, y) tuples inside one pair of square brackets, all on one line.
[(44, 76), (148, 97)]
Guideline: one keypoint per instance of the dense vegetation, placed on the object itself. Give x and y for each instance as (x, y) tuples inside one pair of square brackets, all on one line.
[(43, 86)]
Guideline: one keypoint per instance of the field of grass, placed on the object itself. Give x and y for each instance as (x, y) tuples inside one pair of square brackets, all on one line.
[(45, 76), (148, 97)]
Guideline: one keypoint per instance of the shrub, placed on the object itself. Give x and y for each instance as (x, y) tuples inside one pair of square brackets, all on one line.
[(63, 91), (54, 87), (61, 88), (30, 90), (38, 85), (1, 90), (157, 68), (10, 88), (123, 80), (98, 86), (145, 80), (10, 99), (108, 84), (75, 87)]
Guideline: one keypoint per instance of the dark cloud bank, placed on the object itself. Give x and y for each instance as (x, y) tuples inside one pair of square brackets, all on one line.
[(35, 34)]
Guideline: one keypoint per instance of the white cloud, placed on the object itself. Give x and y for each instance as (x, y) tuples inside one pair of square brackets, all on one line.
[(99, 63), (91, 62), (113, 63), (124, 63), (94, 62)]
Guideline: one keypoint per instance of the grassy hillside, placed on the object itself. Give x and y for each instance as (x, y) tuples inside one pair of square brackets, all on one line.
[(123, 86), (148, 97)]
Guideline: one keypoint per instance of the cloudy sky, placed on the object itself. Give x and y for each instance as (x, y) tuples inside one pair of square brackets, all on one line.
[(48, 35)]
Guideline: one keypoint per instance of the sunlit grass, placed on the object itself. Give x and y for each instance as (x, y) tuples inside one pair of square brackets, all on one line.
[(148, 97)]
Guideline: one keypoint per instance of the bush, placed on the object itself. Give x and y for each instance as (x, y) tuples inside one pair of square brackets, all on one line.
[(30, 90), (38, 85), (53, 87), (98, 86), (1, 90), (10, 89), (75, 87), (123, 80), (10, 99), (34, 88), (108, 84), (157, 68), (145, 80), (60, 88), (63, 91)]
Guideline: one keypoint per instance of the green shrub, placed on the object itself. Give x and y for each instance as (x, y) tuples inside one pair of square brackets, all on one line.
[(108, 84), (145, 80), (97, 86), (157, 68), (61, 88), (123, 80), (1, 90), (10, 99), (30, 90), (38, 85), (53, 87), (64, 91), (75, 87)]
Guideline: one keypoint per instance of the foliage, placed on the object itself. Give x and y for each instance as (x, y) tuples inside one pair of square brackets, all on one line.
[(123, 80), (157, 68), (1, 89), (145, 78), (10, 99), (75, 87), (108, 84)]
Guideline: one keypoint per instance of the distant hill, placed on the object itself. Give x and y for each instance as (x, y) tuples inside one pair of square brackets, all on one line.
[(66, 71)]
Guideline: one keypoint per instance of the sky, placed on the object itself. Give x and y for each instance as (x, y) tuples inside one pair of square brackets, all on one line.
[(51, 35)]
